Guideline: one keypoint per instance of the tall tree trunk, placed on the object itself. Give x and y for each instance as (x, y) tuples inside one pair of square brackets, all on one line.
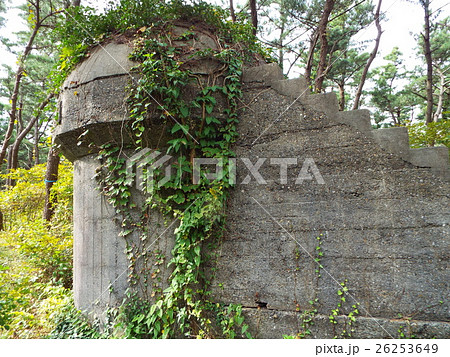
[(233, 15), (20, 136), (281, 49), (9, 180), (372, 56), (15, 94), (427, 52), (254, 16), (329, 5), (341, 97), (309, 62), (51, 176), (440, 103), (36, 143)]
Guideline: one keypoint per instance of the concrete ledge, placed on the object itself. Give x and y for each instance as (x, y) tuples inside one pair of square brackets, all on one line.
[(266, 74), (293, 88), (435, 157), (394, 140), (266, 323), (323, 102), (358, 119), (87, 140)]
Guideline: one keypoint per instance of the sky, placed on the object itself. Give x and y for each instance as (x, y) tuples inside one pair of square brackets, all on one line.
[(403, 19)]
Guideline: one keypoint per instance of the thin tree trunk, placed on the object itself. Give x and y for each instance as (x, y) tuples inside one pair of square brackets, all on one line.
[(233, 15), (329, 5), (309, 61), (36, 143), (39, 22), (429, 61), (15, 95), (281, 49), (254, 16), (20, 116), (9, 181), (51, 176), (440, 103), (372, 56), (15, 149), (341, 97)]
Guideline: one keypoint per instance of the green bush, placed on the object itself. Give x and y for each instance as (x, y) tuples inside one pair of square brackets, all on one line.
[(433, 134), (35, 255)]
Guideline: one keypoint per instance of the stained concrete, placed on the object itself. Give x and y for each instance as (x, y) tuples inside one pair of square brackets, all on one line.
[(382, 213)]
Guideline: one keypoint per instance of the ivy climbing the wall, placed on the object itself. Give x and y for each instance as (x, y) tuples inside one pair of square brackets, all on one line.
[(199, 113)]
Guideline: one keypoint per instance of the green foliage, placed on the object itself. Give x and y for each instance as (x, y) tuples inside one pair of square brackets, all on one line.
[(83, 28), (319, 254), (393, 102), (34, 85), (2, 9), (230, 320), (197, 128), (435, 133), (307, 320), (404, 332), (35, 255), (70, 323), (347, 327)]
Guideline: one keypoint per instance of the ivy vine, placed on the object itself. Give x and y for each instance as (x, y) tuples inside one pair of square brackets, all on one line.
[(198, 127)]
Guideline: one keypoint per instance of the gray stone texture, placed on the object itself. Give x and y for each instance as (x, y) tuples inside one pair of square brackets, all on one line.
[(382, 212), (394, 140), (101, 266), (359, 119), (109, 60)]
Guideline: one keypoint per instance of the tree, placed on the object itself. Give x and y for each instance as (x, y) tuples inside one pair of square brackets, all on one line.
[(389, 96), (232, 13), (372, 56), (283, 25), (41, 16), (254, 16), (51, 176), (2, 10), (429, 61), (304, 36), (345, 70), (322, 35), (440, 49), (434, 132)]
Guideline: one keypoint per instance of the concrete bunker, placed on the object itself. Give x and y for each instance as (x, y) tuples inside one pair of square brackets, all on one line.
[(380, 214)]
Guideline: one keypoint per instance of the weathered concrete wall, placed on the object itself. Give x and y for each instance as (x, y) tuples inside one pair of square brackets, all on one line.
[(384, 224), (93, 112), (101, 265), (382, 210)]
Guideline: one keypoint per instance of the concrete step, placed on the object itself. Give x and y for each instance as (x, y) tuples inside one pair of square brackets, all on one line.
[(359, 119), (293, 88), (323, 102), (266, 74), (393, 140), (434, 157)]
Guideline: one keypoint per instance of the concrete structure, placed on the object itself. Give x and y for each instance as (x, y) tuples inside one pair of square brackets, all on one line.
[(381, 213)]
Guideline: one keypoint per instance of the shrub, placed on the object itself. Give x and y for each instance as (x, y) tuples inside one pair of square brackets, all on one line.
[(35, 255)]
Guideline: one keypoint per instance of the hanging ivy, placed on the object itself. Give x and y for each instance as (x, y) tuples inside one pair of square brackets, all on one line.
[(200, 124)]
